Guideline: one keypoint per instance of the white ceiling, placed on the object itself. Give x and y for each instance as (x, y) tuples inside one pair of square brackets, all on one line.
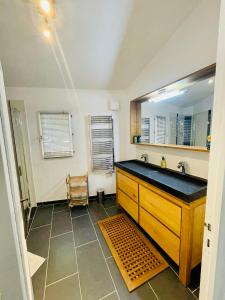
[(104, 43), (194, 94)]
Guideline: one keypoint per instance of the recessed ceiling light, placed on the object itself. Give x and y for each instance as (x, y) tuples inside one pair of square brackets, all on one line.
[(167, 95), (46, 33)]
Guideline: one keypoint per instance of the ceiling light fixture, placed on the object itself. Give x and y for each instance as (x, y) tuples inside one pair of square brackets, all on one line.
[(167, 95), (45, 6), (47, 33)]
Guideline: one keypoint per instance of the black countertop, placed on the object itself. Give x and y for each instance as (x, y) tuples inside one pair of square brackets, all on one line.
[(185, 187)]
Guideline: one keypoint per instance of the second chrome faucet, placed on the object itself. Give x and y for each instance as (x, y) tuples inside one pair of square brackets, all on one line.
[(181, 165), (145, 157)]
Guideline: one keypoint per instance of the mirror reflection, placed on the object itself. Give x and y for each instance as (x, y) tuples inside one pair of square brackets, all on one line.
[(179, 114)]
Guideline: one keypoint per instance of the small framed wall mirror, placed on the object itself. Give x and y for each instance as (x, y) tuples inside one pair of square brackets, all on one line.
[(178, 115)]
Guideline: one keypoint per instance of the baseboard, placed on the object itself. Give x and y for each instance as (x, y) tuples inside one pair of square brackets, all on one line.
[(91, 198), (52, 202)]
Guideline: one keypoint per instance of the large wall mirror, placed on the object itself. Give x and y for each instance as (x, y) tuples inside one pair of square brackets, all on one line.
[(177, 115)]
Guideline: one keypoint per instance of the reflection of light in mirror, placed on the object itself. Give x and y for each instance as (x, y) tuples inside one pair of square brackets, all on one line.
[(47, 34), (167, 95), (45, 6), (211, 80)]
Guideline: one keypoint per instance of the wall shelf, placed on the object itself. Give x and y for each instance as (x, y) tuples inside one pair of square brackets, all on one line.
[(180, 147)]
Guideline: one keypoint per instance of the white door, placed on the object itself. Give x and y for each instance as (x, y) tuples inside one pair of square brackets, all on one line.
[(213, 261), (13, 197), (18, 128)]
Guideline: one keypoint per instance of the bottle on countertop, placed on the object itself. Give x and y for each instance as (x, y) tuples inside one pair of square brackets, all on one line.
[(208, 142), (163, 162)]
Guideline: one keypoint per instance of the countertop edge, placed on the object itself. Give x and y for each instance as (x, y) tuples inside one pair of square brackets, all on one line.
[(184, 197)]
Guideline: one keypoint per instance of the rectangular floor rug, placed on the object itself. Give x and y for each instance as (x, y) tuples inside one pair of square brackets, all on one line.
[(136, 258)]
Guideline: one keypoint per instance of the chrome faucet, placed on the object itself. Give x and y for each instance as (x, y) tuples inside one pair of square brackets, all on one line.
[(181, 165), (145, 157)]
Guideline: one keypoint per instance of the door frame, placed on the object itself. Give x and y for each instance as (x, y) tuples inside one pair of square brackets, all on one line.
[(13, 194), (20, 105), (213, 263)]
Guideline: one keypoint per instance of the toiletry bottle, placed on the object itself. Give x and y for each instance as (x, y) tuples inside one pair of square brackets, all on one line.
[(208, 142), (163, 162)]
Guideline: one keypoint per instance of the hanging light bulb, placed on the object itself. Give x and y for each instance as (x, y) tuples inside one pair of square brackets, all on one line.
[(45, 6), (47, 33)]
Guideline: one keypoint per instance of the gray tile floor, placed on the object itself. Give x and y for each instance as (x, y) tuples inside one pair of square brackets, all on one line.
[(79, 264)]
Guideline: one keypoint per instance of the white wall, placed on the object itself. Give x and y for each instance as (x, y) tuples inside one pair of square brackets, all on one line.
[(10, 285), (190, 48), (204, 105), (50, 174)]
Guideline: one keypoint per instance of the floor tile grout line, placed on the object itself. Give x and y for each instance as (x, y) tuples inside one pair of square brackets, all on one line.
[(45, 205), (195, 290), (61, 279), (153, 290), (192, 292), (105, 211), (189, 290), (79, 216), (55, 236), (40, 226), (75, 253), (108, 257), (104, 256), (96, 233), (46, 273), (60, 211), (110, 207), (173, 270), (32, 228), (195, 296), (104, 297), (85, 244)]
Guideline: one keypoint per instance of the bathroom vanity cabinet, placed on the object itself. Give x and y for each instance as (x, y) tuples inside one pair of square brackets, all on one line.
[(174, 224)]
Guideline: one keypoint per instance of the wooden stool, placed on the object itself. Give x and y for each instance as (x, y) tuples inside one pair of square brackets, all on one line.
[(77, 190)]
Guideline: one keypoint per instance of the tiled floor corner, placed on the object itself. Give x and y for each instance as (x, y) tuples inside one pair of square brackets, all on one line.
[(79, 264)]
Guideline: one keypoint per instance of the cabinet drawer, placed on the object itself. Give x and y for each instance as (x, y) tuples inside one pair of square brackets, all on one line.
[(166, 212), (128, 204), (128, 186), (168, 241)]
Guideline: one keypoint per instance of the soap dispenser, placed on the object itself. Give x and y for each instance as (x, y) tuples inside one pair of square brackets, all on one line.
[(163, 162)]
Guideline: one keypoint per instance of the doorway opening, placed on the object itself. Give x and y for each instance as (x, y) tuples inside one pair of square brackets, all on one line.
[(23, 160)]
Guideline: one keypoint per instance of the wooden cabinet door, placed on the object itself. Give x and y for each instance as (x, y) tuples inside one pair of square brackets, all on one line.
[(166, 212), (168, 241), (128, 204), (128, 186)]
